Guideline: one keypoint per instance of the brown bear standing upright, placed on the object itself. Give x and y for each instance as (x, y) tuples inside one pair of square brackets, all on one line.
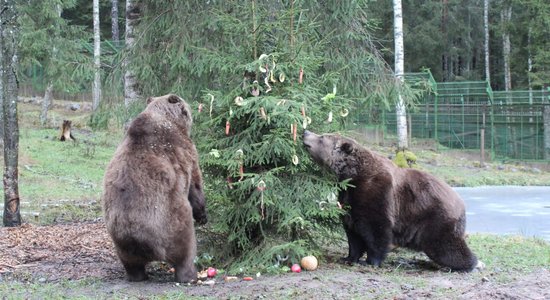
[(153, 189), (390, 206)]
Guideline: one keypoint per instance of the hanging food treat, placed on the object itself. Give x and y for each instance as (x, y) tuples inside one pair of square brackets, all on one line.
[(262, 113), (211, 103), (344, 113), (301, 77), (295, 160), (230, 112), (303, 110), (282, 77), (334, 89), (255, 90), (261, 186), (227, 127), (304, 123), (268, 89), (239, 153), (294, 132), (291, 128), (281, 102), (329, 117), (239, 101), (241, 172), (200, 107)]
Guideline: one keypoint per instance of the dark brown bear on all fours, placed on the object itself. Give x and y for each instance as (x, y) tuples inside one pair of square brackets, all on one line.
[(153, 191), (391, 206)]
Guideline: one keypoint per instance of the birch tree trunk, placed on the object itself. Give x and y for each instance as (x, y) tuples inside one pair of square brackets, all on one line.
[(486, 29), (529, 64), (506, 17), (400, 110), (114, 22), (131, 89), (96, 90), (9, 37)]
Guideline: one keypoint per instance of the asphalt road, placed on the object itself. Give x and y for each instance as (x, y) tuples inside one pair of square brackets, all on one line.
[(508, 210)]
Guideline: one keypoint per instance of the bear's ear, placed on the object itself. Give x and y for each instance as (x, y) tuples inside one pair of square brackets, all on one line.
[(149, 100), (173, 99), (346, 147)]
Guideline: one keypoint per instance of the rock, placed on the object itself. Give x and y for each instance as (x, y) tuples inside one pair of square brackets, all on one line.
[(501, 168), (74, 106), (536, 170), (485, 279), (42, 280)]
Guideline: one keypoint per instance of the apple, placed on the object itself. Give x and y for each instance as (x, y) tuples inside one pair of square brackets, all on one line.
[(211, 272), (296, 268)]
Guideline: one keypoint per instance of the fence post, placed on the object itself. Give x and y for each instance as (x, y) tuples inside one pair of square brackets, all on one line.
[(482, 137), (546, 122)]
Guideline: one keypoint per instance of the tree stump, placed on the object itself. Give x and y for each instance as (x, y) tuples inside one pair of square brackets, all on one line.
[(66, 131)]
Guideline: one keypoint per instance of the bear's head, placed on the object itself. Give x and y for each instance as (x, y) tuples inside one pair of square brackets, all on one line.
[(336, 152), (174, 109)]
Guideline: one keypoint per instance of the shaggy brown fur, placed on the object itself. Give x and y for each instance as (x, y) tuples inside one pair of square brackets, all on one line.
[(390, 206), (152, 187)]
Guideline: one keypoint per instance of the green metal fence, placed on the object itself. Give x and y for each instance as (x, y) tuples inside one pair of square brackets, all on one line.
[(469, 115)]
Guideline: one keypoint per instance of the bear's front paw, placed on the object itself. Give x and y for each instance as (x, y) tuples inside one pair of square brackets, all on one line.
[(346, 260)]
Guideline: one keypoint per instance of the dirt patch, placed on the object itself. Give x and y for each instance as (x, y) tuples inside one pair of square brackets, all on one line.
[(53, 254)]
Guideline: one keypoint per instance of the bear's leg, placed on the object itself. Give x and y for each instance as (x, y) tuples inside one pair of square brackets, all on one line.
[(377, 239), (135, 272), (452, 252), (185, 271), (356, 245)]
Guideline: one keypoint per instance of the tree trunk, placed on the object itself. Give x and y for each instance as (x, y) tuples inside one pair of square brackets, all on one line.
[(66, 131), (114, 22), (486, 30), (506, 17), (529, 65), (400, 110), (131, 88), (96, 91), (9, 33), (46, 103)]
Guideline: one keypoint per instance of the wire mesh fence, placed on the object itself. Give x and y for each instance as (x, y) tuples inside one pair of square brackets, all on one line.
[(469, 115)]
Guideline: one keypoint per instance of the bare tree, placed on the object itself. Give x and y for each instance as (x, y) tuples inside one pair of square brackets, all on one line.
[(486, 30), (131, 92), (9, 37), (114, 22), (96, 91), (400, 109)]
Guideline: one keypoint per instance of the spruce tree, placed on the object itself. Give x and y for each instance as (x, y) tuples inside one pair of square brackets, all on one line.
[(272, 202)]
